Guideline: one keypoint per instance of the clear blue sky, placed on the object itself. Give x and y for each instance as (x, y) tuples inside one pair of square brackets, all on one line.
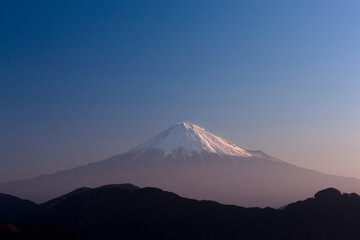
[(84, 80)]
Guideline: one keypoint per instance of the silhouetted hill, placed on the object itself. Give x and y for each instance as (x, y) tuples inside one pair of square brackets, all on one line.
[(16, 209), (129, 212), (329, 215), (124, 186), (150, 213), (52, 203)]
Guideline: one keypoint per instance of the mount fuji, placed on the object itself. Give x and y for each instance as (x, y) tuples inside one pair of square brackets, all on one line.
[(195, 163), (187, 142)]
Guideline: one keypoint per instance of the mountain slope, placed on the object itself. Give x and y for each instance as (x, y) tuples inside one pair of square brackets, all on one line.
[(16, 209), (188, 160), (189, 139), (56, 201), (329, 215), (115, 212), (151, 213)]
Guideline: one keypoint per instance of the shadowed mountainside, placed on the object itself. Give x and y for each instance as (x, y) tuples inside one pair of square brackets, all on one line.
[(16, 209), (54, 202), (151, 213), (128, 212)]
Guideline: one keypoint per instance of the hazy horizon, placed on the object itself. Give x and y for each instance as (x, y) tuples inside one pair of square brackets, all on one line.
[(82, 81)]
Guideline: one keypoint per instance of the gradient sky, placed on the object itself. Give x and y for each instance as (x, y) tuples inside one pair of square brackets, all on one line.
[(81, 81)]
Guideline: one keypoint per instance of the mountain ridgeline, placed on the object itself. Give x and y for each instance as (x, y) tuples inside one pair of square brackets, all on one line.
[(129, 212), (194, 163)]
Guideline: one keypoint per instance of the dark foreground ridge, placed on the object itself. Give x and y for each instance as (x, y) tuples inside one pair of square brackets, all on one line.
[(128, 212), (15, 231)]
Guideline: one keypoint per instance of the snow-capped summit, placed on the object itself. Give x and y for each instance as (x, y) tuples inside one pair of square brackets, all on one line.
[(189, 138)]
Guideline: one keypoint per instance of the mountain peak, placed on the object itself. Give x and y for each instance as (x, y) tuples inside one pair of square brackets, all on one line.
[(189, 138), (327, 194), (187, 125)]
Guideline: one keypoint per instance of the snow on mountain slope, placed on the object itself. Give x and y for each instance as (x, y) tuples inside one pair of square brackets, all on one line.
[(194, 163), (191, 138)]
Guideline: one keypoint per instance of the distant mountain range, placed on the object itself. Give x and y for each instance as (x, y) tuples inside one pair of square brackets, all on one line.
[(195, 163), (129, 212)]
